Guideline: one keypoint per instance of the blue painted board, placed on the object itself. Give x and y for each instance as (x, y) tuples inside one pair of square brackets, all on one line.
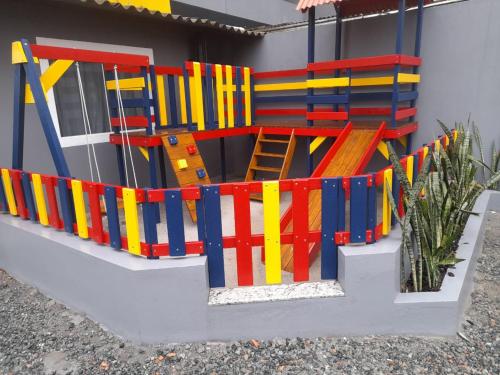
[(28, 196), (175, 223), (330, 188), (115, 239)]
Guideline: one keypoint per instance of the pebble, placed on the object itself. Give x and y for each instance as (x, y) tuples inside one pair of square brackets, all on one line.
[(40, 336)]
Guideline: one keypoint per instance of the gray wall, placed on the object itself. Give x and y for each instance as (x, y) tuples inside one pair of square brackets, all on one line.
[(172, 45), (460, 51)]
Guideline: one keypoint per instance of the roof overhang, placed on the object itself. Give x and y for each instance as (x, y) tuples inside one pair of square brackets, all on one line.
[(354, 8)]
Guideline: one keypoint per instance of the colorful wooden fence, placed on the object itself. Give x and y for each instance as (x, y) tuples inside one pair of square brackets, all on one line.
[(94, 211)]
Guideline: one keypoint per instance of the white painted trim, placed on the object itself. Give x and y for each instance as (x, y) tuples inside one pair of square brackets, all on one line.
[(81, 140)]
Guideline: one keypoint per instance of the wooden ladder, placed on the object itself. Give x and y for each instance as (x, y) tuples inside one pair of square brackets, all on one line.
[(271, 159)]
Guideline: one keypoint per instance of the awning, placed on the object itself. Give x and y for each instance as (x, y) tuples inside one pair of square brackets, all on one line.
[(352, 8)]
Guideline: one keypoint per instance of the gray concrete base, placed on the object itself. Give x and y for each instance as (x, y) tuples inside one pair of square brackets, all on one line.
[(167, 300)]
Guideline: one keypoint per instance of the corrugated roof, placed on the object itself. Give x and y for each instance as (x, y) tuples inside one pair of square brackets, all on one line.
[(352, 8), (201, 22)]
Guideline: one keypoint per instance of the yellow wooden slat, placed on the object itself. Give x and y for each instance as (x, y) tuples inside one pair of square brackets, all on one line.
[(162, 100), (131, 221), (408, 78), (219, 88), (144, 152), (318, 141), (182, 99), (372, 81), (327, 83), (41, 206), (248, 98), (229, 97), (18, 55), (49, 78), (198, 91), (409, 168), (9, 193), (79, 203), (386, 205), (193, 101), (272, 241), (281, 86), (127, 83), (384, 150)]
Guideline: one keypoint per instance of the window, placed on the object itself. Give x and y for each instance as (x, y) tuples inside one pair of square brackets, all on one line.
[(64, 99)]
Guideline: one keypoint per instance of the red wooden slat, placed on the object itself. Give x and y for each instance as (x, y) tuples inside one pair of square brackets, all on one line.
[(54, 217), (300, 201), (131, 121), (365, 62), (405, 113), (22, 210), (242, 226), (95, 213), (330, 115)]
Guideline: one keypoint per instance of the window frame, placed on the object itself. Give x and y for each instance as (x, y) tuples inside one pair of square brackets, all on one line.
[(95, 138)]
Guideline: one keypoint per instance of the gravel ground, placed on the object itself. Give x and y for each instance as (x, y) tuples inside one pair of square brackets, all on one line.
[(40, 336)]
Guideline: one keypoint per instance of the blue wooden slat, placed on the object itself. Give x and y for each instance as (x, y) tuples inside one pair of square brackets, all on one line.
[(372, 208), (209, 97), (149, 219), (281, 99), (28, 196), (239, 98), (370, 96), (359, 209), (213, 238), (327, 99), (3, 199), (172, 100), (175, 223), (115, 239), (18, 125), (408, 96), (66, 206), (131, 103), (330, 188)]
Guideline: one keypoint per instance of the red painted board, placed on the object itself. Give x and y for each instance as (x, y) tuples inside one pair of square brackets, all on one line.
[(19, 193), (54, 217), (95, 213), (242, 226), (327, 115), (300, 214)]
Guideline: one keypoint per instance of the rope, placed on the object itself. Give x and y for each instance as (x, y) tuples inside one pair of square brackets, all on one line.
[(123, 128), (86, 126)]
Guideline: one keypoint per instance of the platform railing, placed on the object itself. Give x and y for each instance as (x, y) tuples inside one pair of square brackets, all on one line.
[(353, 210)]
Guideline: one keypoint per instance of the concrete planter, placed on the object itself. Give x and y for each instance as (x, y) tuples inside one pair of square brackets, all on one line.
[(168, 300)]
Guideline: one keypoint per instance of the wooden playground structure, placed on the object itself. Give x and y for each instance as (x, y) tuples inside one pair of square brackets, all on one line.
[(355, 104)]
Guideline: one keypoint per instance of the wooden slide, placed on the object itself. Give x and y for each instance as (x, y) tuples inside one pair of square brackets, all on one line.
[(349, 155), (186, 163)]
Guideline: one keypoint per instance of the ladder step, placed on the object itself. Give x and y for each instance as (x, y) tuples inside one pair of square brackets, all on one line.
[(265, 169), (267, 140), (270, 154)]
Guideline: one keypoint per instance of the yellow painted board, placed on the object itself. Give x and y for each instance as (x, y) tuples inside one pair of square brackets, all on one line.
[(315, 144), (127, 83), (41, 206), (408, 78), (281, 86), (198, 91), (248, 99), (409, 168), (162, 6), (384, 150), (327, 83), (193, 99), (386, 205), (272, 241), (9, 193), (372, 81), (162, 100), (18, 55), (131, 221), (79, 203), (229, 97), (182, 99), (219, 88), (49, 78)]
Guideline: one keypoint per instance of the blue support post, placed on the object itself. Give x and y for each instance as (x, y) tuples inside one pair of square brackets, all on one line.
[(154, 91), (338, 46), (19, 106), (209, 97), (28, 196), (149, 220), (175, 223), (330, 188), (397, 67), (359, 209), (115, 239), (239, 97), (213, 236), (33, 78), (311, 28)]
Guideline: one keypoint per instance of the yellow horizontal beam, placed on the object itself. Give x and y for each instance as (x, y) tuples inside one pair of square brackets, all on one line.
[(372, 81), (49, 78), (281, 86), (315, 144), (408, 78), (327, 83), (126, 84)]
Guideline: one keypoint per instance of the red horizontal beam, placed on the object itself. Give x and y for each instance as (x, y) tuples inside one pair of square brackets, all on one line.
[(131, 121), (168, 70), (163, 249), (82, 55), (365, 62), (326, 115)]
